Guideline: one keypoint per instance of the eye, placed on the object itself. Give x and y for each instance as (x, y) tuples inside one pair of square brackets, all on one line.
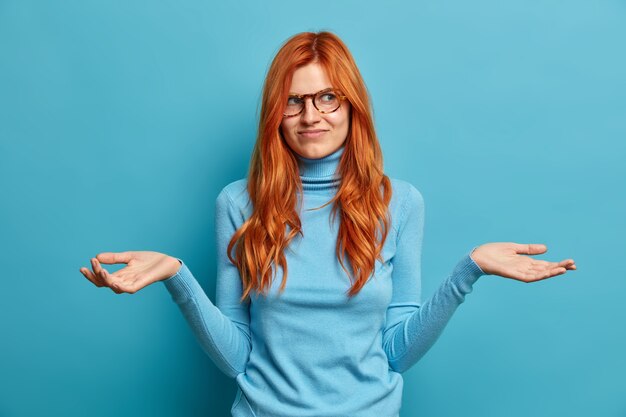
[(328, 97), (294, 101)]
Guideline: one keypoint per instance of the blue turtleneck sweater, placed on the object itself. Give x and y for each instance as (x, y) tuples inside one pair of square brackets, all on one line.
[(313, 351)]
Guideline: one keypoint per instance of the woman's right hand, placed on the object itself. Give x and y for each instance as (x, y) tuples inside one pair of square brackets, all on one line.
[(142, 269)]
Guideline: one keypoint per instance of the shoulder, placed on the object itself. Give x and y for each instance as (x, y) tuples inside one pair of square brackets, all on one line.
[(405, 194), (235, 190), (234, 196), (406, 199)]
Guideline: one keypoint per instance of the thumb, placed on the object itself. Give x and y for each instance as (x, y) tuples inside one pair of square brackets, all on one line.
[(530, 248), (114, 258)]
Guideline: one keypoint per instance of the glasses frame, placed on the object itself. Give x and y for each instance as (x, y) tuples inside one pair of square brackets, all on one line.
[(312, 96)]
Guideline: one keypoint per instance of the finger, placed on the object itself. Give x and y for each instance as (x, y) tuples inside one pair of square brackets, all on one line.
[(559, 265), (545, 274), (114, 257), (104, 277), (539, 265), (568, 264), (112, 282), (554, 272), (91, 277), (97, 269), (101, 273), (530, 248), (541, 272), (115, 286)]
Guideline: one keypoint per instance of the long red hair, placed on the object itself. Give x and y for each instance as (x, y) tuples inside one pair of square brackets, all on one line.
[(274, 183)]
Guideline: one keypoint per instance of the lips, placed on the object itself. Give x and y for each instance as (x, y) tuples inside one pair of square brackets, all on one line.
[(312, 133)]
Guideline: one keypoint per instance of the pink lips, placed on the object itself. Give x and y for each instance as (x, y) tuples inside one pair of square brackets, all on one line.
[(312, 133)]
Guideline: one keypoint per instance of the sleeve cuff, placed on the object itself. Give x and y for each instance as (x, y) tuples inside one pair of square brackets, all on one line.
[(474, 262), (466, 273), (182, 285)]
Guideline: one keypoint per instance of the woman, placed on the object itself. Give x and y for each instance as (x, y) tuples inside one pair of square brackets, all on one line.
[(318, 307)]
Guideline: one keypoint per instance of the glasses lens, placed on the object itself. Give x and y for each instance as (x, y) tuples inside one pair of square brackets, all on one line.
[(294, 106), (327, 101)]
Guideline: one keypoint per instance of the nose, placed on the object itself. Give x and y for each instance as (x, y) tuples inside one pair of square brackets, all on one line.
[(310, 115)]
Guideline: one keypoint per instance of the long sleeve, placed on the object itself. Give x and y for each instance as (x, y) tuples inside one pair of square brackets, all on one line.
[(222, 329), (411, 327)]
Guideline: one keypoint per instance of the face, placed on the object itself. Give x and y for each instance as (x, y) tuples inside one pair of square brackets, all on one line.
[(312, 134)]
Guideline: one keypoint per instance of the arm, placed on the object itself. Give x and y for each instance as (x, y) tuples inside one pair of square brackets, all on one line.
[(411, 327), (222, 330)]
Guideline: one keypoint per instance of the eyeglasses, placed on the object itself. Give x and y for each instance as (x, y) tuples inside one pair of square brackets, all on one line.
[(325, 101)]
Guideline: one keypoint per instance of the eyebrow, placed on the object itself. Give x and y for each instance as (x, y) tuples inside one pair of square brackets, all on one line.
[(317, 92)]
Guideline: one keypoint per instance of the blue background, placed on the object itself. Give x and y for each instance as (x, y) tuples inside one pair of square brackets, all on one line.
[(120, 123)]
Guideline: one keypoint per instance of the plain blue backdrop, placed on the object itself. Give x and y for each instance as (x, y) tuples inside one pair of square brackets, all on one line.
[(121, 121)]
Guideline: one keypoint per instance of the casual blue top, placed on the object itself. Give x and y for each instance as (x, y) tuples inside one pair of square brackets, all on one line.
[(313, 351)]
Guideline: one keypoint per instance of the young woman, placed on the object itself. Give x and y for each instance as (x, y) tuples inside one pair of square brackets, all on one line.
[(318, 306)]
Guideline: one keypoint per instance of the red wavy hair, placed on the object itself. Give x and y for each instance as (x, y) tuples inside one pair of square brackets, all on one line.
[(274, 184)]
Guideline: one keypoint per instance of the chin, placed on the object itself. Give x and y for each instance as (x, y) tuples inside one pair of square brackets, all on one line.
[(313, 154), (317, 152)]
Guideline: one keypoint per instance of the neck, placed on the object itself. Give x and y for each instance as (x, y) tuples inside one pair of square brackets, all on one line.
[(321, 173)]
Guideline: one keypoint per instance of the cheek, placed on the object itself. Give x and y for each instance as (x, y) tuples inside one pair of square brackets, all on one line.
[(286, 129), (344, 118), (343, 122), (283, 127)]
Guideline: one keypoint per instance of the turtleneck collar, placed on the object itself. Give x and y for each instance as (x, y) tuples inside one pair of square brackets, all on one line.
[(320, 174)]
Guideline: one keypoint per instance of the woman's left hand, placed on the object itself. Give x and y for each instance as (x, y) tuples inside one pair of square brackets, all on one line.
[(506, 259)]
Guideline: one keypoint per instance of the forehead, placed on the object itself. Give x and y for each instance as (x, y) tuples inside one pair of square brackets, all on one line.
[(310, 78)]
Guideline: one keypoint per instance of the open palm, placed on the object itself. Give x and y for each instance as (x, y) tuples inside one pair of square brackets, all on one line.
[(507, 259), (142, 269)]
